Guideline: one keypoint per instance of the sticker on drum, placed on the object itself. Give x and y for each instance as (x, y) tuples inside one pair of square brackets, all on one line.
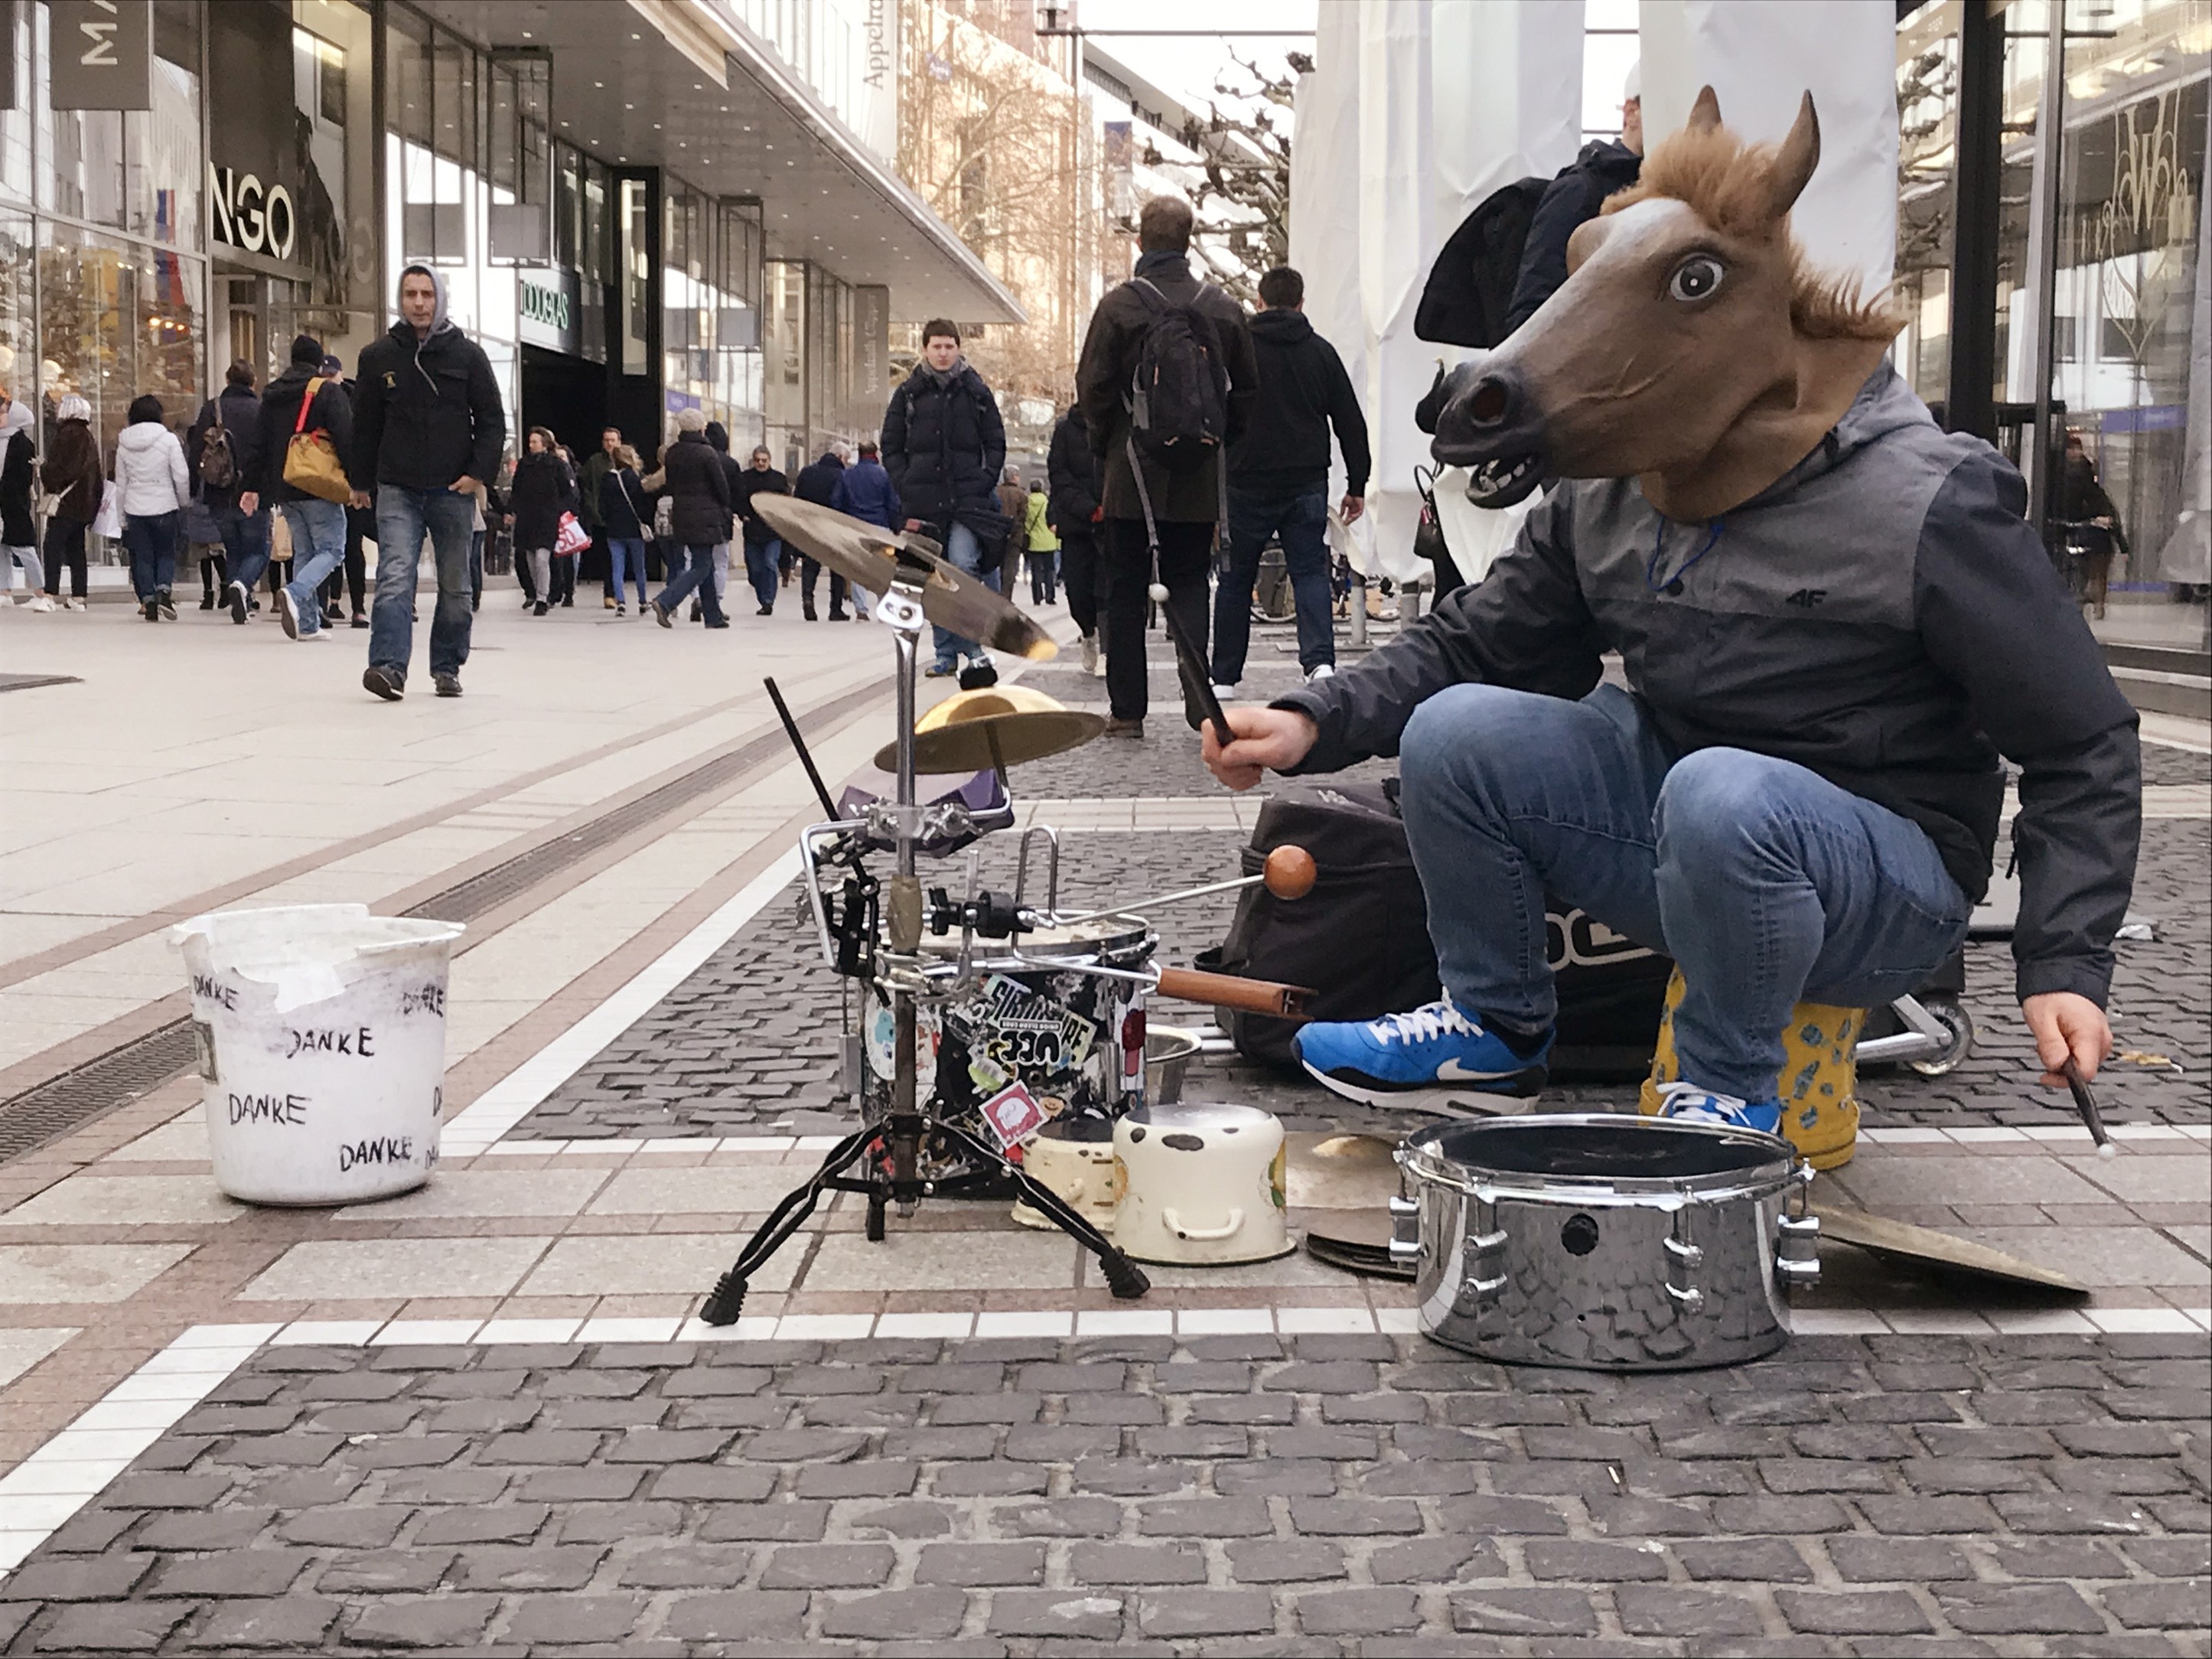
[(1021, 1031), (879, 1033), (1013, 1115)]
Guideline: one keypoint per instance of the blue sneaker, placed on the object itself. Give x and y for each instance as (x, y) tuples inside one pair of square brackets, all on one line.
[(1692, 1104), (1436, 1051)]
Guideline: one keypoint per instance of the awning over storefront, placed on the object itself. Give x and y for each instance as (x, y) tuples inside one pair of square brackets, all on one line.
[(635, 85)]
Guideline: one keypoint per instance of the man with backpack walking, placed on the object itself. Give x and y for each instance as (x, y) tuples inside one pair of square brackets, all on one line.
[(1167, 382), (943, 447), (223, 449), (1279, 480), (817, 482), (428, 425)]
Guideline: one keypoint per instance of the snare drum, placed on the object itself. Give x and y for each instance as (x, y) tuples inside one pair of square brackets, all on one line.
[(1604, 1242)]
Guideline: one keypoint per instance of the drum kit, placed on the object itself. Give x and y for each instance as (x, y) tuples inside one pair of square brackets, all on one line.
[(987, 1020), (1000, 1043)]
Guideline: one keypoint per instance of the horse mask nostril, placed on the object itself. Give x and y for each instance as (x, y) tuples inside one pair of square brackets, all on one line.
[(1489, 403)]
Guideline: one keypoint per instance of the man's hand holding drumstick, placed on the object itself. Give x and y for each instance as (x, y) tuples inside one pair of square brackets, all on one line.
[(1266, 740)]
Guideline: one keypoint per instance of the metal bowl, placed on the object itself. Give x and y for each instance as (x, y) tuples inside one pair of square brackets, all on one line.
[(1168, 1049)]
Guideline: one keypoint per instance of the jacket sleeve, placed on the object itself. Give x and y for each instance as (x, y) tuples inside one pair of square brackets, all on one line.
[(1559, 213), (334, 414), (718, 486), (893, 437), (1243, 373), (121, 479), (1993, 617), (1525, 625), (180, 474), (841, 498), (488, 412), (1351, 424), (993, 427), (368, 428), (1098, 377)]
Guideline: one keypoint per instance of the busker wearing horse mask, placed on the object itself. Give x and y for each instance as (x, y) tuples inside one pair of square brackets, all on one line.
[(1834, 622)]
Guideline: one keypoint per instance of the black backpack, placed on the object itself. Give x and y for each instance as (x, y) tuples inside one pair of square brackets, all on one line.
[(1360, 940), (1179, 393), (218, 465), (1470, 287)]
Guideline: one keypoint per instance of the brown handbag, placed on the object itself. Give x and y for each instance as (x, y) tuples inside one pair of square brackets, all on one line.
[(311, 460)]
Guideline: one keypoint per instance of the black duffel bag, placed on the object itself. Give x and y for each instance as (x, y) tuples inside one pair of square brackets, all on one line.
[(1360, 940)]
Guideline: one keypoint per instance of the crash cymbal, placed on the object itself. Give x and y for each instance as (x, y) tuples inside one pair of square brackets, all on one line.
[(1340, 1172), (994, 726), (1923, 1247), (873, 558), (1357, 1241)]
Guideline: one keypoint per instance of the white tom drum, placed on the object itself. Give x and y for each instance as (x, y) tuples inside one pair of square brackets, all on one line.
[(1202, 1185)]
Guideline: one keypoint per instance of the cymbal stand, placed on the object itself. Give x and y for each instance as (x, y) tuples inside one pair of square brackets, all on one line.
[(894, 1176)]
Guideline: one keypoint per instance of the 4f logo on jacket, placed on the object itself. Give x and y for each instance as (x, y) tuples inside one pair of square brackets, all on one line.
[(1806, 598)]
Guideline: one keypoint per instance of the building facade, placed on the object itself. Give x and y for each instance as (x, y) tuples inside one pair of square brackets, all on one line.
[(637, 206)]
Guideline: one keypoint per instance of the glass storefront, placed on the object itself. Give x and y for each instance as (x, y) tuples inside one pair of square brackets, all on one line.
[(2104, 287), (710, 298)]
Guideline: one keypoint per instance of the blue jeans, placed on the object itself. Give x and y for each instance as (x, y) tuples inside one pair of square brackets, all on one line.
[(1769, 884), (964, 552), (319, 538), (1302, 520), (626, 552), (151, 538), (245, 543), (764, 570), (697, 576), (403, 517)]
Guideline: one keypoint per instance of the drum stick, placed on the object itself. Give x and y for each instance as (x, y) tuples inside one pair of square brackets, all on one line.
[(806, 760), (2085, 1103), (1254, 996), (1195, 673)]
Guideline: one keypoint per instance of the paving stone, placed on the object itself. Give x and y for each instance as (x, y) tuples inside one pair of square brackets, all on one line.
[(1754, 1560), (990, 1479), (2050, 1512), (1532, 1612), (790, 1521), (1133, 1476), (717, 1484), (1863, 1560), (217, 1529), (2170, 1557), (1435, 1561), (99, 1578), (572, 1447), (1414, 1478), (979, 1565), (1284, 1560), (444, 1621), (1596, 1564), (768, 1616), (686, 1566), (573, 1620), (1644, 1611), (1207, 1518), (874, 1478), (2018, 1609), (1357, 1611), (1781, 1515), (508, 1523), (166, 1492), (894, 1614), (230, 1573), (384, 1570), (539, 1567), (1064, 1517), (1205, 1613), (826, 1567), (113, 1628), (911, 1520), (293, 1625), (1852, 1613), (1111, 1565), (1522, 1517), (1057, 1613), (2169, 1604)]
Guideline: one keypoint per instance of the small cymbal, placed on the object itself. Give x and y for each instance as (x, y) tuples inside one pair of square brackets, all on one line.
[(1340, 1172), (995, 726), (873, 558)]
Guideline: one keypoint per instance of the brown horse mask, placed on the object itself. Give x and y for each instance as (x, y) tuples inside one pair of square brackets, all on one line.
[(1690, 348)]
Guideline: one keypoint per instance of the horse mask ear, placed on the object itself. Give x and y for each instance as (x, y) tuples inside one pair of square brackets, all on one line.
[(1794, 162), (1706, 113)]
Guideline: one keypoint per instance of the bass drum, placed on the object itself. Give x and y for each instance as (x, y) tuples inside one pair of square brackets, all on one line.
[(1074, 1040)]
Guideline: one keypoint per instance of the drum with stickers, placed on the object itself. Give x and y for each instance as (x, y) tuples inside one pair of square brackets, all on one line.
[(1034, 1027)]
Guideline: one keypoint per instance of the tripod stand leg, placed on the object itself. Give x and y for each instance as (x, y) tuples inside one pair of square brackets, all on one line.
[(875, 1227), (1123, 1277), (728, 1299)]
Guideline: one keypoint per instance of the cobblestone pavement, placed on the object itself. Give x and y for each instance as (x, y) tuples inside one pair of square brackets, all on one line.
[(1319, 1495)]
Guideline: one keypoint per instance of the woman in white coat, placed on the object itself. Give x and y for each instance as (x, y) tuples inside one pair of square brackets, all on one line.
[(154, 485)]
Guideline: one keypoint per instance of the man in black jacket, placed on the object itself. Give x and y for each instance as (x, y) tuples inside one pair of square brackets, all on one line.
[(428, 424), (764, 547), (697, 483), (302, 400), (1605, 166), (945, 448), (236, 410), (1184, 506), (1278, 479), (1077, 481), (817, 482)]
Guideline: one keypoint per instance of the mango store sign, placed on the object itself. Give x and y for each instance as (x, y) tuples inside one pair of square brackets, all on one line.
[(546, 304)]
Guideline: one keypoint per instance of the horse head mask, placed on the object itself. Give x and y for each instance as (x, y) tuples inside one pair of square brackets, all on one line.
[(1690, 346)]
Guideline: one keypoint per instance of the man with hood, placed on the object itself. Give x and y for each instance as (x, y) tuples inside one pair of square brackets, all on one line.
[(817, 482), (302, 400), (428, 425), (944, 446), (1278, 479), (1605, 164)]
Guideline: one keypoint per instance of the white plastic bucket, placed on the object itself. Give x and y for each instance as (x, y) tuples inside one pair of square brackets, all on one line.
[(321, 1033)]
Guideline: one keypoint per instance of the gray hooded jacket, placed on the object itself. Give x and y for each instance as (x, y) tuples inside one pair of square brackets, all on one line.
[(1881, 615), (426, 411)]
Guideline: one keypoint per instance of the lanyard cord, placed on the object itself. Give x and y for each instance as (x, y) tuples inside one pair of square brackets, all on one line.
[(1672, 585)]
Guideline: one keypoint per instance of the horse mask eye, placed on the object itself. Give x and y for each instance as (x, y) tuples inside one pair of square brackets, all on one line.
[(1698, 278)]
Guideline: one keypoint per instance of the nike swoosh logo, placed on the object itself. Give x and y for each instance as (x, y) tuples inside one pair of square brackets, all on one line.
[(1452, 1072)]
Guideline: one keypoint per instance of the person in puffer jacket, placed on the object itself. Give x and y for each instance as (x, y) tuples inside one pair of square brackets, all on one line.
[(154, 484)]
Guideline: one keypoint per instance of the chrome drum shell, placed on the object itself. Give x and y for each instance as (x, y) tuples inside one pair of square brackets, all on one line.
[(1604, 1242)]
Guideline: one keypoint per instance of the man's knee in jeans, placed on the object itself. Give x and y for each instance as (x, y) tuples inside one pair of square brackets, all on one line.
[(1463, 725), (1722, 806)]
